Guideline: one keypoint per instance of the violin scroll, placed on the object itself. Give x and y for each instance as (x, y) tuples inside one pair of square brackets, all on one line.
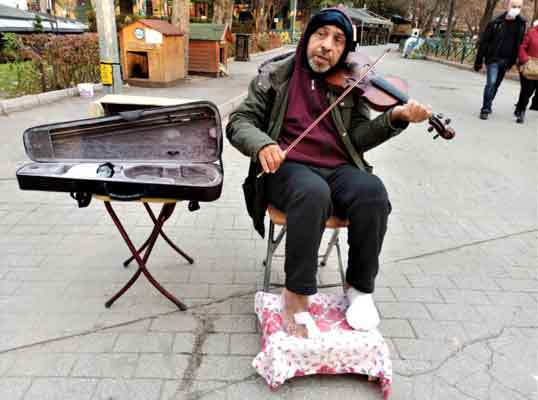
[(441, 127)]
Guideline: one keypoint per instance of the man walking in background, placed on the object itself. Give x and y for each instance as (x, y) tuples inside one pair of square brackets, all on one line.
[(499, 45)]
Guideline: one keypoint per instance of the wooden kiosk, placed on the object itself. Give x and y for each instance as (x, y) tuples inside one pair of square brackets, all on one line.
[(152, 53), (208, 48)]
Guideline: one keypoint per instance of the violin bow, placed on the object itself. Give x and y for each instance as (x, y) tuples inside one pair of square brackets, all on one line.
[(328, 110)]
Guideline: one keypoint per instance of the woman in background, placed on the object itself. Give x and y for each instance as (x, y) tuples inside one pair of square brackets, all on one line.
[(528, 49)]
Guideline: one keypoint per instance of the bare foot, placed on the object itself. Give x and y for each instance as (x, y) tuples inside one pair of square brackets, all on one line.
[(292, 304)]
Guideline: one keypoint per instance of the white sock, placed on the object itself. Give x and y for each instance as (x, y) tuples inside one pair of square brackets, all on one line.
[(361, 314), (304, 318)]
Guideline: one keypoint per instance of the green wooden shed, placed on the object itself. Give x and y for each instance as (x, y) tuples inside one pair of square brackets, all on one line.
[(208, 48)]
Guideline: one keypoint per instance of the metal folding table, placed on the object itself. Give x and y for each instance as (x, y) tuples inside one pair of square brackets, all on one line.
[(141, 255)]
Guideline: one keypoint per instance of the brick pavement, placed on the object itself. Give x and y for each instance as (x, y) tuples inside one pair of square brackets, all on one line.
[(457, 290)]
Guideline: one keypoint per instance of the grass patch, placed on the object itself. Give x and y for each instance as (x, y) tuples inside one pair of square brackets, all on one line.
[(19, 78), (6, 80)]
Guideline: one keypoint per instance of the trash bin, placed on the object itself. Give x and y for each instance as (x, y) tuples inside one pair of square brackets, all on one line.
[(242, 47)]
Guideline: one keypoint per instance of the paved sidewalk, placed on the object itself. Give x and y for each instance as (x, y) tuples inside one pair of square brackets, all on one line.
[(457, 290)]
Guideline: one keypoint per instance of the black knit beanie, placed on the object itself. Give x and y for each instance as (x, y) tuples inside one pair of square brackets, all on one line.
[(329, 16)]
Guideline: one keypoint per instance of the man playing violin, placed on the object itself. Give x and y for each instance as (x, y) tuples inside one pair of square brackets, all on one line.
[(326, 173)]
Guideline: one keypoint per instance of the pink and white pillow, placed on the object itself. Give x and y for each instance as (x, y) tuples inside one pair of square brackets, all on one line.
[(337, 350)]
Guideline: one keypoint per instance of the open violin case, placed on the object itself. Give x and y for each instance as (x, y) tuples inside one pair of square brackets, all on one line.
[(167, 152)]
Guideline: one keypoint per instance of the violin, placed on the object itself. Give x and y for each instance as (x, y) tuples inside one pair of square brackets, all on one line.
[(381, 92)]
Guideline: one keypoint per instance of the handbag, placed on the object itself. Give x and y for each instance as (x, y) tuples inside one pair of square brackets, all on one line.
[(530, 69)]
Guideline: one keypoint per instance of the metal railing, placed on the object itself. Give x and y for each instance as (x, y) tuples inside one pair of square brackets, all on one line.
[(457, 50)]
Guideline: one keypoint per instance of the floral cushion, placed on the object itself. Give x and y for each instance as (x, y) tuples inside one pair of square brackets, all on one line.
[(338, 350)]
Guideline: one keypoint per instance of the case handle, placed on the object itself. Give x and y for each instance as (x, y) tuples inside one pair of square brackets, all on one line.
[(123, 197), (131, 115)]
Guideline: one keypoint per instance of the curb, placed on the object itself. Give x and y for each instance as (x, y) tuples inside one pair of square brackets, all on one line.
[(510, 75), (275, 50), (33, 100), (280, 49)]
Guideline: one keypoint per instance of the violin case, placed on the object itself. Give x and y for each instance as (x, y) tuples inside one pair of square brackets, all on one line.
[(170, 152)]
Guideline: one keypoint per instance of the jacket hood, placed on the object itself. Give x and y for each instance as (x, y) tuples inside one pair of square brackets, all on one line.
[(329, 16)]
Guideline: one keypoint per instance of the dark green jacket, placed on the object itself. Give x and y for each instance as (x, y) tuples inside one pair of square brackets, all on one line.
[(257, 122)]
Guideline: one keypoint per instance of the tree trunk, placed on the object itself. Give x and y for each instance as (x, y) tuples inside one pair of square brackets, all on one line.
[(259, 16), (414, 12), (261, 21), (429, 20), (535, 14), (223, 12), (421, 15), (218, 11), (451, 20), (180, 18), (488, 14), (269, 13), (438, 25)]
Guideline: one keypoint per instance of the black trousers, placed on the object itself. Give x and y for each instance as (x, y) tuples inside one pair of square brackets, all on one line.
[(309, 196), (528, 87)]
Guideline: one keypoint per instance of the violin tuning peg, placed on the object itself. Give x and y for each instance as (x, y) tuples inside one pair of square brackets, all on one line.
[(430, 129), (440, 116), (448, 121), (436, 136)]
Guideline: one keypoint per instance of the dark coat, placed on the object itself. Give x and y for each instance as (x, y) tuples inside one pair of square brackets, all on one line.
[(492, 38)]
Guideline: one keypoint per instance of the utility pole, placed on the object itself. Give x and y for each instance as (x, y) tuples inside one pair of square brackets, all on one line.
[(293, 17), (108, 46)]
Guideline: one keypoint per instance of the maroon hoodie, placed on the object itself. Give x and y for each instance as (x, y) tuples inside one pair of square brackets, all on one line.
[(307, 99)]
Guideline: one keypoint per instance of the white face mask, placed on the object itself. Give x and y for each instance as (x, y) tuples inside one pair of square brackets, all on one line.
[(513, 12)]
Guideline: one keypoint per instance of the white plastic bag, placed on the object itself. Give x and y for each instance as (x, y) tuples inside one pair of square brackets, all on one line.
[(85, 89)]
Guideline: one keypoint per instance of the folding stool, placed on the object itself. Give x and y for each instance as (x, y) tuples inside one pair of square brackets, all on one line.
[(278, 217)]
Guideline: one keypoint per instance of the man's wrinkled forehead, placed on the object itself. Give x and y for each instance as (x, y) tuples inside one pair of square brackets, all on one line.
[(335, 30), (515, 3)]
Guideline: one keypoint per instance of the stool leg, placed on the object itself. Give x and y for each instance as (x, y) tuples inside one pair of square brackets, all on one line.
[(340, 264), (269, 257), (332, 242)]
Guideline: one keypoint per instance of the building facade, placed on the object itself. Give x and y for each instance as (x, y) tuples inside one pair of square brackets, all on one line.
[(20, 4)]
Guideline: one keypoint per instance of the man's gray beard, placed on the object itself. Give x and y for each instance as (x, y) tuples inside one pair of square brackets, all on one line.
[(317, 68)]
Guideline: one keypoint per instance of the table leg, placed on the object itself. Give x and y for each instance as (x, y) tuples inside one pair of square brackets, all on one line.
[(164, 236), (165, 213)]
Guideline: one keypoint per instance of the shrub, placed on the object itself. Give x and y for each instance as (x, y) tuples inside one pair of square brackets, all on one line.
[(10, 47), (91, 17), (20, 77), (51, 62), (265, 41), (38, 24), (73, 58)]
